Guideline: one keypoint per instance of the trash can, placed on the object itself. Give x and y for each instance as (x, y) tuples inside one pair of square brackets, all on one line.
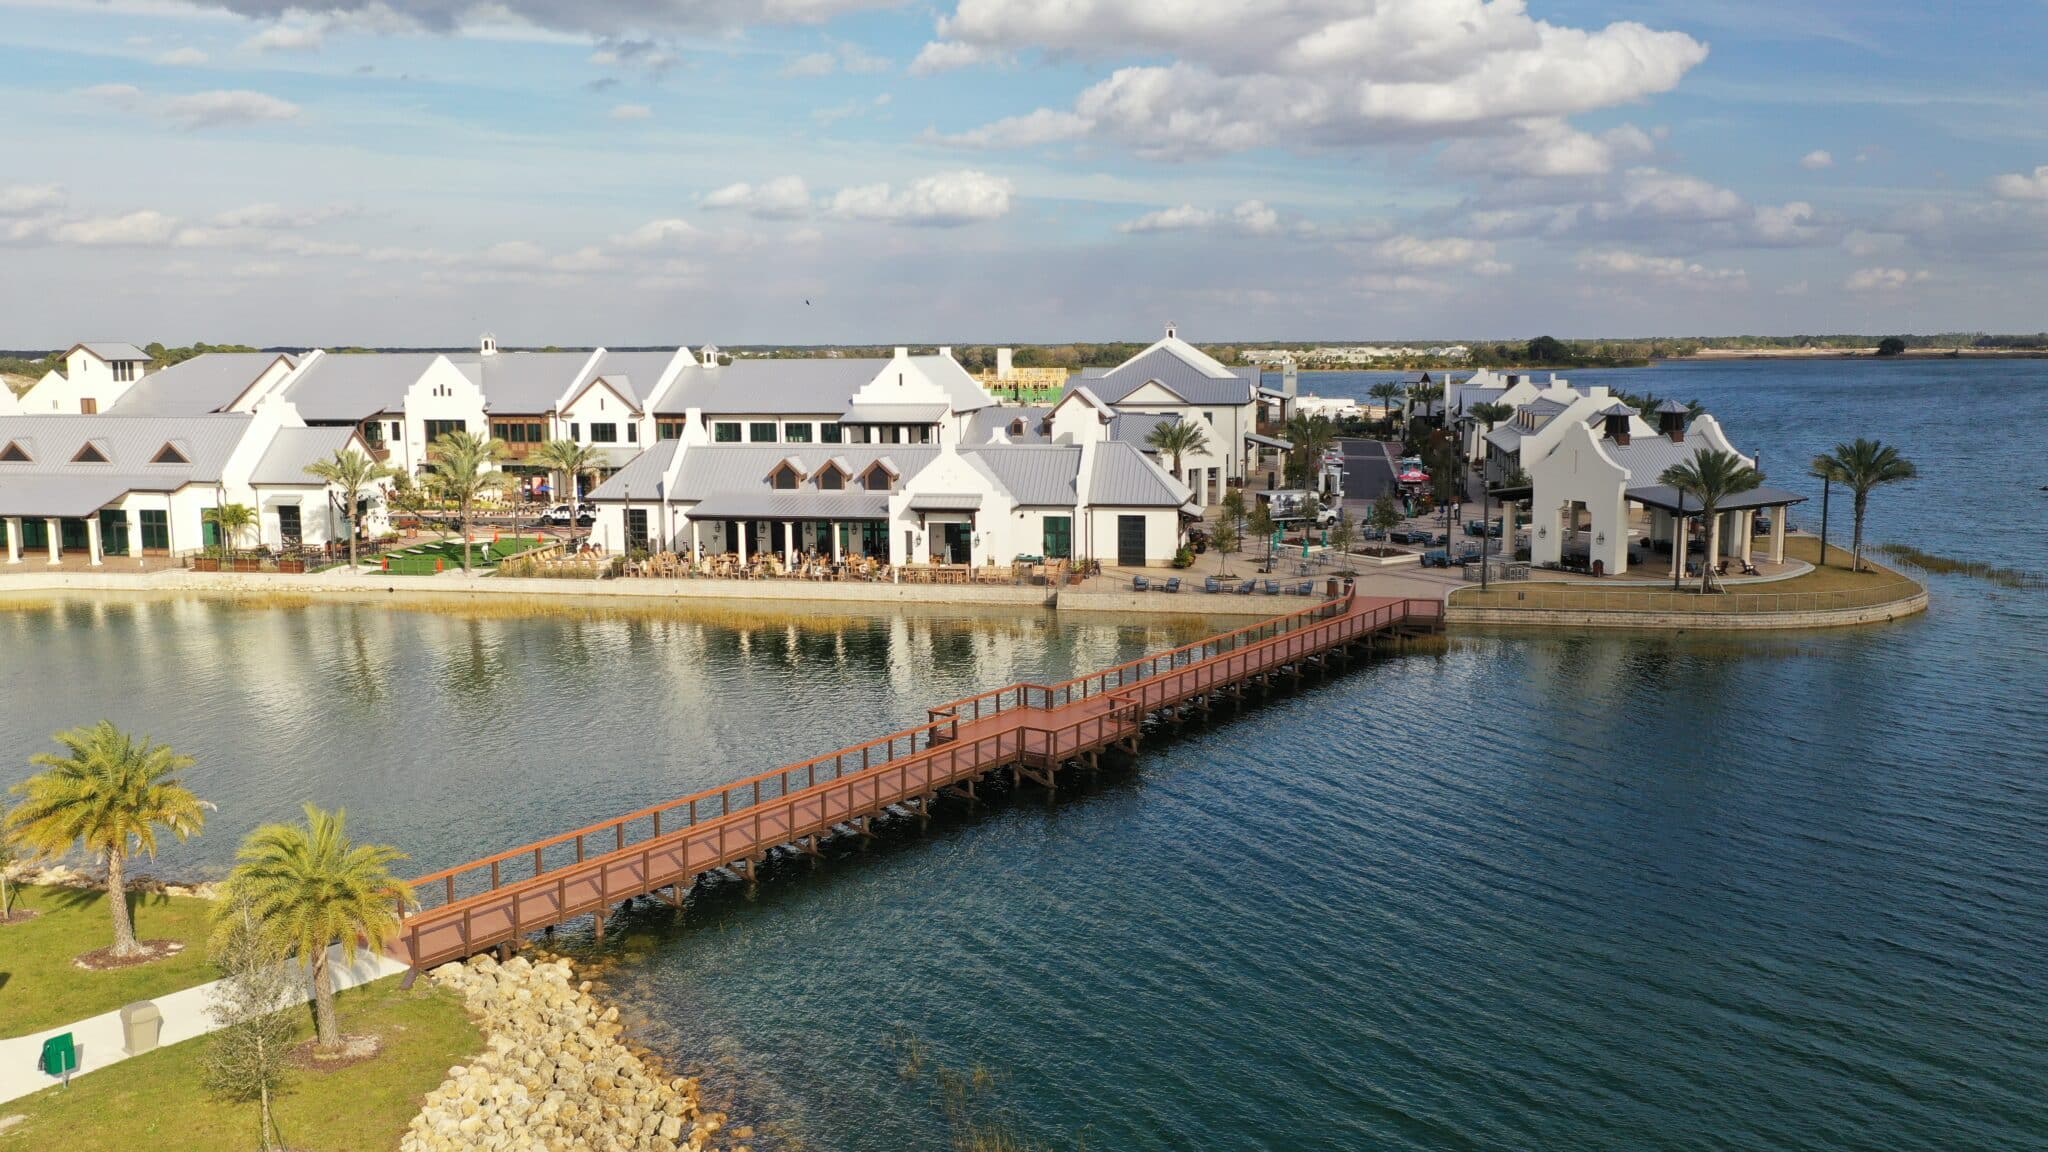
[(141, 1023), (1332, 587), (59, 1056)]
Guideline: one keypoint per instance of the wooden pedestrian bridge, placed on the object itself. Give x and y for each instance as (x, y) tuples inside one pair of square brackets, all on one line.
[(1031, 731)]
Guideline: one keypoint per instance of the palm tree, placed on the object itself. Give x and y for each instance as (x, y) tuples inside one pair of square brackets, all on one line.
[(1424, 397), (8, 854), (1863, 467), (1311, 436), (1388, 393), (109, 795), (572, 461), (232, 520), (309, 886), (1177, 438), (466, 467), (350, 471), (1712, 477), (1491, 413)]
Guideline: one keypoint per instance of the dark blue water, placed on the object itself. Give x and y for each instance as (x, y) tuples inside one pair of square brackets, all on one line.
[(1530, 890)]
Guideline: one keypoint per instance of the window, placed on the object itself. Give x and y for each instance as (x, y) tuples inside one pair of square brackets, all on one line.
[(373, 434), (858, 434), (397, 431), (88, 407), (669, 429), (517, 432), (830, 434), (918, 434), (575, 431), (889, 434), (632, 433), (797, 433), (784, 478), (726, 432), (604, 433), (832, 479), (636, 530), (1016, 428), (1059, 537), (439, 428), (90, 454), (761, 432), (877, 478), (124, 371), (1210, 417), (156, 529), (288, 531), (14, 454)]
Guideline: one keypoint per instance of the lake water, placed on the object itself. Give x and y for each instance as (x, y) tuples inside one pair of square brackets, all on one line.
[(1526, 891)]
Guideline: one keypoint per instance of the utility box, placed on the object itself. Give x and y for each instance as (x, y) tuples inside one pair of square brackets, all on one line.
[(141, 1023)]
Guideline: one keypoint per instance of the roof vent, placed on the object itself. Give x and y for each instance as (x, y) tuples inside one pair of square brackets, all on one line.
[(90, 454), (14, 454), (169, 454)]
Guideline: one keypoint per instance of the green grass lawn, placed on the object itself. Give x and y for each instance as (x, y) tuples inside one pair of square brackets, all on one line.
[(156, 1101), (41, 988), (419, 559)]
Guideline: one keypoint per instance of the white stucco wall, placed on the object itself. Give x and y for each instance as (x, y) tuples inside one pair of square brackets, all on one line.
[(441, 393)]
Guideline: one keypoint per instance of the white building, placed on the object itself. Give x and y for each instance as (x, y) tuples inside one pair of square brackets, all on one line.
[(1175, 378), (95, 375)]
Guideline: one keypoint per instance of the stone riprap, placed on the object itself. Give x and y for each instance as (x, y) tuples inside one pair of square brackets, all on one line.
[(554, 1075)]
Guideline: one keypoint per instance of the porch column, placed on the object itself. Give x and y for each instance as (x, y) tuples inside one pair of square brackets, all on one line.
[(1678, 534), (1778, 533), (54, 527), (836, 557), (789, 543), (740, 540), (92, 540), (1748, 533), (14, 539), (696, 540)]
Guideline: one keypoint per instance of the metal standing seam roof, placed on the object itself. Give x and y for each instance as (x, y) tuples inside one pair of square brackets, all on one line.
[(1646, 457), (711, 469), (819, 386), (1124, 477), (356, 385), (1186, 380), (965, 393), (1268, 441), (113, 351), (1668, 498), (521, 383), (985, 423), (129, 443), (67, 496), (1506, 437), (643, 473), (285, 460), (1136, 427), (946, 502), (798, 504), (206, 383), (1041, 475), (633, 375)]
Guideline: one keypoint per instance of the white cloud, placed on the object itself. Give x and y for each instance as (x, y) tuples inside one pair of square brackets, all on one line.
[(1882, 279), (1253, 217), (30, 199), (2022, 185), (947, 55), (783, 198), (1653, 193), (665, 233), (1444, 252), (1817, 159), (630, 112), (1550, 147), (123, 96), (196, 109), (1785, 224), (134, 229), (844, 57), (1312, 73), (287, 38), (182, 57), (815, 64), (945, 199), (1672, 270), (1044, 126)]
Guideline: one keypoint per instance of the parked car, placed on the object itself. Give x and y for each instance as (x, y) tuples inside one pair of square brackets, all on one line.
[(584, 515)]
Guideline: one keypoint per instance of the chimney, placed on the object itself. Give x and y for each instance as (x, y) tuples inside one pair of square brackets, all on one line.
[(946, 350), (1004, 365), (1671, 420), (902, 352), (1617, 428), (1675, 426)]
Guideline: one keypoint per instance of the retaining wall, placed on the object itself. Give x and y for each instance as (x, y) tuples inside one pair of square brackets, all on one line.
[(1692, 621)]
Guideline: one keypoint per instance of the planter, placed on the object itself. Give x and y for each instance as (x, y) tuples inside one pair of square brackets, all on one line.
[(206, 563), (1396, 560), (292, 567)]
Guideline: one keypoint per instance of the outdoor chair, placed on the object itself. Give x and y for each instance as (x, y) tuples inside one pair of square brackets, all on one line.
[(1272, 587), (1172, 584), (1212, 585), (1247, 588), (1140, 584), (1307, 588)]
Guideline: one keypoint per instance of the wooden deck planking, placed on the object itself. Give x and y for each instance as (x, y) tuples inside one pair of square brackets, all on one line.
[(1080, 717)]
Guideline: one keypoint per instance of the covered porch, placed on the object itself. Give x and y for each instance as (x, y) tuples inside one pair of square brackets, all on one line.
[(774, 533), (1682, 544), (53, 520)]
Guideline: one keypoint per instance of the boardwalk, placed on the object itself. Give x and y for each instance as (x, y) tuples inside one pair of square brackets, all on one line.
[(1031, 730)]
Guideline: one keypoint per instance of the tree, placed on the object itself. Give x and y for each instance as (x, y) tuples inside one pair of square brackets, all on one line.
[(1342, 534), (1177, 439), (466, 467), (1712, 477), (1229, 529), (1311, 436), (248, 1059), (109, 795), (1389, 394), (232, 520), (1863, 467), (1386, 513), (1259, 521), (350, 471), (309, 886), (1424, 397), (1548, 350), (8, 855), (1490, 413), (1891, 346), (571, 461)]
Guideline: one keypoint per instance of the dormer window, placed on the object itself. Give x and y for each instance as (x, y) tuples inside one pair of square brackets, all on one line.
[(89, 454), (169, 454), (15, 454), (784, 477), (1016, 427), (877, 478), (831, 480)]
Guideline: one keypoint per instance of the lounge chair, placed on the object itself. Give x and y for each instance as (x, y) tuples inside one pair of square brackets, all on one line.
[(1212, 584), (1307, 588), (1247, 588), (1172, 584), (1140, 584), (1272, 587)]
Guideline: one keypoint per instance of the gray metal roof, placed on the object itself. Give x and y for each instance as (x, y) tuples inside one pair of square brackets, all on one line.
[(801, 504), (113, 351), (773, 387), (985, 423), (41, 496), (1668, 498), (521, 383), (966, 393), (1672, 406), (711, 469), (1545, 407), (1184, 379), (946, 502), (128, 442), (642, 473), (206, 383), (356, 385), (1127, 478), (1034, 474), (894, 414), (633, 375), (1264, 441), (1135, 427), (1506, 437), (284, 462), (1646, 457)]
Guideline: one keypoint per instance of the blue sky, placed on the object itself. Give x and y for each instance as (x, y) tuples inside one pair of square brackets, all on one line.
[(740, 171)]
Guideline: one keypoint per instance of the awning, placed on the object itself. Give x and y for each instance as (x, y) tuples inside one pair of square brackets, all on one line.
[(1268, 441), (783, 504), (1670, 499), (945, 502), (894, 414), (41, 497)]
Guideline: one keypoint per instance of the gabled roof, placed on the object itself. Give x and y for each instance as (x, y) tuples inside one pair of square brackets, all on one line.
[(708, 469), (986, 423), (1124, 477), (356, 385), (291, 449), (54, 482), (1197, 378), (522, 383), (206, 383), (822, 387), (112, 351), (1136, 427), (1035, 474)]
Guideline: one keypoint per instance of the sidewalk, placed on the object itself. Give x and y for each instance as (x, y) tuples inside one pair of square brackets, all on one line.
[(185, 1016)]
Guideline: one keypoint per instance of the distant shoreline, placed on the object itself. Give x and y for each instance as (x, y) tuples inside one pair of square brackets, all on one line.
[(1863, 354)]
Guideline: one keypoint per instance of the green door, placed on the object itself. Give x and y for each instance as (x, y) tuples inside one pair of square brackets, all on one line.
[(113, 532), (1059, 537), (35, 534), (209, 535)]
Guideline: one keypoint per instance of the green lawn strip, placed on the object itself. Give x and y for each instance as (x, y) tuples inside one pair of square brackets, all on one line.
[(419, 559), (41, 988), (157, 1102)]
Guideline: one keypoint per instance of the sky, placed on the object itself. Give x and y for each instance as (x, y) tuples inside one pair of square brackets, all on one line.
[(578, 172)]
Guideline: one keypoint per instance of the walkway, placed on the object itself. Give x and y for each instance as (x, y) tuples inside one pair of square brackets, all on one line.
[(1032, 731), (185, 1016)]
